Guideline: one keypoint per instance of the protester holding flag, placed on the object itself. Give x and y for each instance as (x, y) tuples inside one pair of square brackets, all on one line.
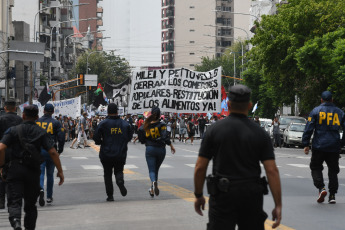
[(154, 135)]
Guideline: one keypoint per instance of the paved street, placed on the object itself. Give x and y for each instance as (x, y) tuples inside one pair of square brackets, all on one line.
[(80, 202)]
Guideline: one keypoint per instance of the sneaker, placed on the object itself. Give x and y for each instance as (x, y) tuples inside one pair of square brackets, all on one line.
[(71, 147), (151, 192), (331, 198), (110, 198), (49, 201), (123, 189), (41, 200), (155, 188), (322, 195)]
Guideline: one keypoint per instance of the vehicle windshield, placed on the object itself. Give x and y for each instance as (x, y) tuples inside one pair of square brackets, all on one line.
[(297, 128), (287, 120)]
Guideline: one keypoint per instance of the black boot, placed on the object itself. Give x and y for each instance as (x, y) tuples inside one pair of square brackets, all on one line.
[(15, 223)]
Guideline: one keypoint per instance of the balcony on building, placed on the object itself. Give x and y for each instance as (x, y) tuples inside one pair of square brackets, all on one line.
[(99, 35), (170, 13), (168, 3), (100, 10)]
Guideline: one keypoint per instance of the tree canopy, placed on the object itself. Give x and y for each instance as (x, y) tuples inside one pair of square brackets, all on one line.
[(299, 52)]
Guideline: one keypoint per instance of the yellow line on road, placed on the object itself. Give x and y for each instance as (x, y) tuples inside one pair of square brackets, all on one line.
[(186, 194)]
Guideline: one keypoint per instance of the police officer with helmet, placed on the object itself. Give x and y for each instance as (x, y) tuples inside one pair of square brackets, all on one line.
[(23, 177), (54, 128), (6, 121), (237, 146), (113, 134), (325, 121)]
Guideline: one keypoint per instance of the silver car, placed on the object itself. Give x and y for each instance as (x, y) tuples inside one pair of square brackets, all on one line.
[(292, 135)]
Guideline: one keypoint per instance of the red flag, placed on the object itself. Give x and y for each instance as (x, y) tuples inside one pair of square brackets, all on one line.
[(100, 86), (223, 93)]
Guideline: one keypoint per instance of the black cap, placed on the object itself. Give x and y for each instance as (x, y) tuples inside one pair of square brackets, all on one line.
[(239, 93), (155, 110), (326, 96), (31, 110), (10, 102), (112, 108), (49, 108)]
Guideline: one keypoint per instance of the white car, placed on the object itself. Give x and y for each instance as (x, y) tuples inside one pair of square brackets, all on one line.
[(293, 133)]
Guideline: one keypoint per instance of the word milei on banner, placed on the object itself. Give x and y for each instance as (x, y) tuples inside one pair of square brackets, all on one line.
[(176, 90)]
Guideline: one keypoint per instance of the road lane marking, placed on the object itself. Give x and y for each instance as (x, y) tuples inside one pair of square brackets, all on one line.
[(299, 165), (79, 158), (300, 177), (187, 150), (190, 156), (191, 165), (287, 175), (91, 167), (130, 167), (166, 166)]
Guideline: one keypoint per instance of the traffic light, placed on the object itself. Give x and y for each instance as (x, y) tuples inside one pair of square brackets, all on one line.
[(91, 88), (81, 80)]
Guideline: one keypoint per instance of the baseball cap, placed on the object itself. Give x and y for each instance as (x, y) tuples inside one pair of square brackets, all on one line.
[(49, 108), (239, 93), (112, 108), (31, 110), (326, 96)]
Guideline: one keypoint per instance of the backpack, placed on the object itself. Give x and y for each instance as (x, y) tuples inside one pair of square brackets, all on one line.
[(30, 156)]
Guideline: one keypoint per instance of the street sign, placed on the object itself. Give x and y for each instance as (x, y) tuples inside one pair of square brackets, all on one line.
[(91, 79), (26, 51)]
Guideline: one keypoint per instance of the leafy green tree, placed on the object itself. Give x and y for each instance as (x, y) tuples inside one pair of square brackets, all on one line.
[(108, 66), (279, 38)]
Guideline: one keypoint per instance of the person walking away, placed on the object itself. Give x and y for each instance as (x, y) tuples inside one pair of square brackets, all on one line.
[(237, 146), (183, 128), (169, 124), (57, 133), (65, 126), (202, 124), (173, 128), (81, 132), (190, 130), (140, 123), (23, 176), (155, 137), (276, 132), (113, 134), (9, 119), (325, 122)]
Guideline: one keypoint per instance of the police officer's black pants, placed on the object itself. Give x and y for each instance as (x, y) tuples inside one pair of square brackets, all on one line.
[(242, 205), (2, 190), (332, 161), (22, 182), (110, 166)]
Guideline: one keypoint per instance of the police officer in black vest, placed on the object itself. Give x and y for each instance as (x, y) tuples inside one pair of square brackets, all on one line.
[(6, 121), (237, 146), (113, 134), (23, 177)]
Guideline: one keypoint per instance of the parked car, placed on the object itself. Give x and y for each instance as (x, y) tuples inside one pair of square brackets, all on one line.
[(293, 133), (286, 120)]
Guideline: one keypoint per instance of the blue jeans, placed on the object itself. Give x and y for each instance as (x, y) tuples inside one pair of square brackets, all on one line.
[(50, 166), (154, 158)]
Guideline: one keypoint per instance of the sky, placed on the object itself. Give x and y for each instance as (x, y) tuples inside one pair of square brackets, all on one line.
[(134, 28)]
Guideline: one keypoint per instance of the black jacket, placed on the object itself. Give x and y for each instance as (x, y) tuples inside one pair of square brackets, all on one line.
[(6, 121), (156, 136), (113, 134)]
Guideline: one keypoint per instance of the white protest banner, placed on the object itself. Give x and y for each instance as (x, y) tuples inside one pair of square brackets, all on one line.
[(70, 107), (176, 90)]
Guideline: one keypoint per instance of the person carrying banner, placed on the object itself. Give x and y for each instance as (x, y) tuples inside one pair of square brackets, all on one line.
[(113, 134), (155, 137), (6, 121), (23, 176)]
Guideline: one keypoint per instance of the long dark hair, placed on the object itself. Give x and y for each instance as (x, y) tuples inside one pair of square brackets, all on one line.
[(152, 117)]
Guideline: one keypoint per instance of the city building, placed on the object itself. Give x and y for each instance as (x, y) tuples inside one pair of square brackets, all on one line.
[(91, 28), (195, 29)]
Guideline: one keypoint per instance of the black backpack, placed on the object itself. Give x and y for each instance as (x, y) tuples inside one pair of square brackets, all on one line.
[(30, 155)]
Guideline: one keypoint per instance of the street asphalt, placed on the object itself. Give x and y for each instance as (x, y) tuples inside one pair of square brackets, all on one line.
[(80, 202)]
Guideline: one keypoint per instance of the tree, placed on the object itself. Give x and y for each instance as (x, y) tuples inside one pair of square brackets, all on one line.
[(108, 66), (277, 41)]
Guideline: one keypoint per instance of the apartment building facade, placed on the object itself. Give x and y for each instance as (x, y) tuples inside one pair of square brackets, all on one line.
[(200, 28)]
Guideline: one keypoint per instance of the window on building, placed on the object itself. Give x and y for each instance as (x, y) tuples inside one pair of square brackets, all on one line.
[(191, 7), (191, 64), (191, 41), (191, 30), (191, 53), (192, 19)]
